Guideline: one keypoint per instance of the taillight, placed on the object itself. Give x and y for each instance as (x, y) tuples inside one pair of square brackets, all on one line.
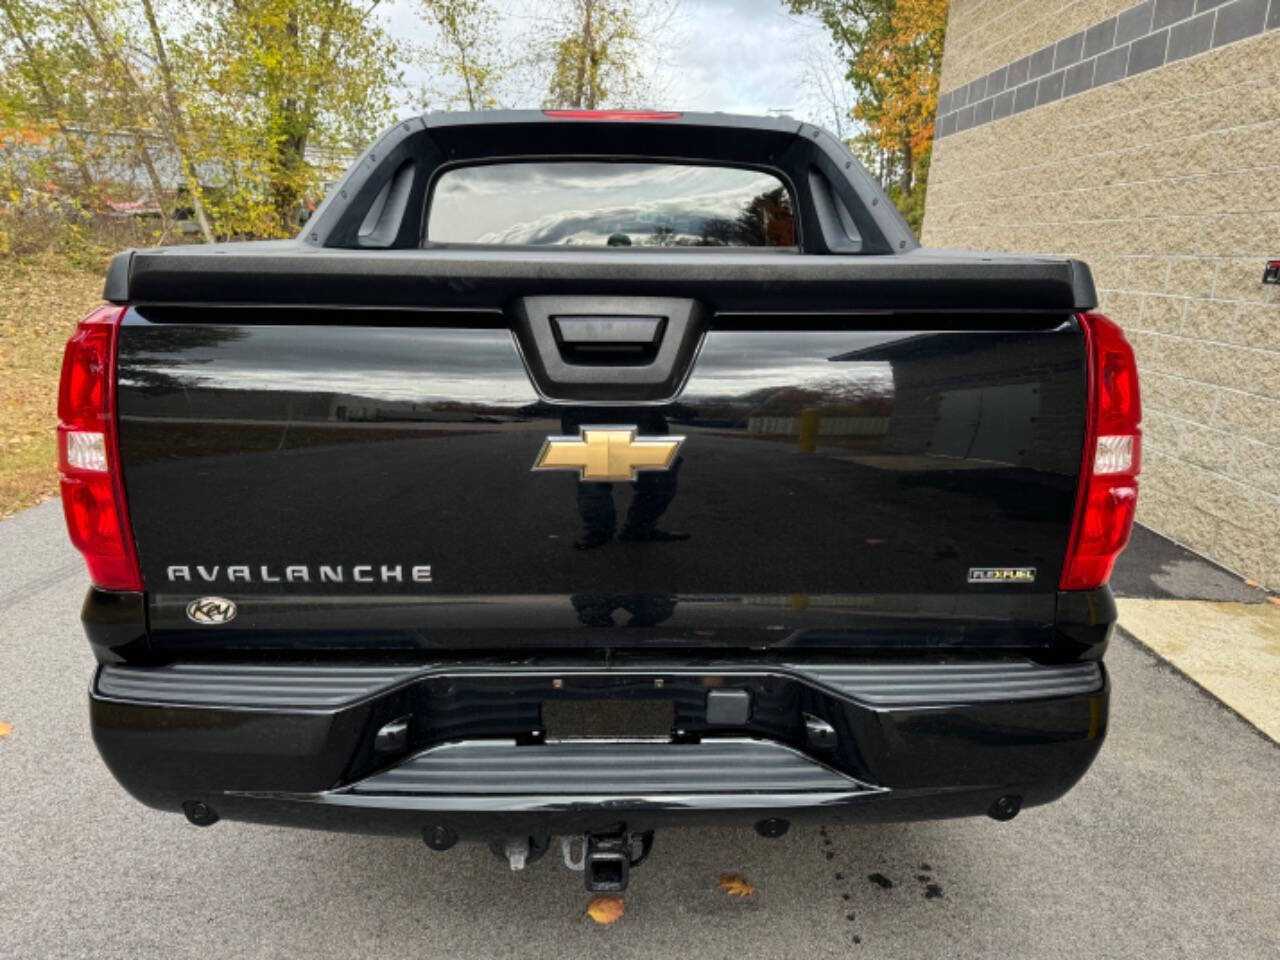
[(1108, 493), (88, 456), (613, 114)]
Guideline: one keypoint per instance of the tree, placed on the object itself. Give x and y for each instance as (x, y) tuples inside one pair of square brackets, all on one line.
[(829, 95), (175, 125), (272, 77), (766, 220), (893, 51), (468, 50), (594, 51), (222, 106), (137, 101), (44, 70), (64, 85)]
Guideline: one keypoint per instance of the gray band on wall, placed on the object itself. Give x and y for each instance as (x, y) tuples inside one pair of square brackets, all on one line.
[(1146, 36)]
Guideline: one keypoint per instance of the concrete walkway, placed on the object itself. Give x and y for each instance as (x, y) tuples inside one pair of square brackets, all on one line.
[(1231, 650), (1206, 621)]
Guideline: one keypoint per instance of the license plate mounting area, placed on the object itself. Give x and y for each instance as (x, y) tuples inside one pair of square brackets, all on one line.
[(621, 719)]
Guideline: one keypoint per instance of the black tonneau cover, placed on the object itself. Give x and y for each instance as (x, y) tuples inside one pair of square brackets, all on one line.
[(294, 274)]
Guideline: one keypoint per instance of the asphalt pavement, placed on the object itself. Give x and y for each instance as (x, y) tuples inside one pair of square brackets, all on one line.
[(1167, 848)]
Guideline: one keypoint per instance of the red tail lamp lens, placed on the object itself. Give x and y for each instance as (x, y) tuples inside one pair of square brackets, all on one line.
[(1108, 492), (88, 456)]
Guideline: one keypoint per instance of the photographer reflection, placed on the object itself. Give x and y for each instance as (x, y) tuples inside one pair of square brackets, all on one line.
[(653, 490)]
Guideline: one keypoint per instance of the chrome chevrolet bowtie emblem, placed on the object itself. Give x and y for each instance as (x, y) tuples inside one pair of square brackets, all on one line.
[(607, 454)]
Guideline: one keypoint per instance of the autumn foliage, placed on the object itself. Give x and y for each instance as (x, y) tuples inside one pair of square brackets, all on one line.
[(221, 118), (605, 910), (735, 886), (893, 54)]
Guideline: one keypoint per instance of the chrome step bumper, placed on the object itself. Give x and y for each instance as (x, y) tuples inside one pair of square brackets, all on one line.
[(307, 744), (591, 769), (325, 686)]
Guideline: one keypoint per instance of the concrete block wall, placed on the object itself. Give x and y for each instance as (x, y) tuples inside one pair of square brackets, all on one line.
[(1144, 139)]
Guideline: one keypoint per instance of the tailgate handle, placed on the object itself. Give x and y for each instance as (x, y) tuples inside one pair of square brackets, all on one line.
[(608, 340), (608, 348), (613, 330)]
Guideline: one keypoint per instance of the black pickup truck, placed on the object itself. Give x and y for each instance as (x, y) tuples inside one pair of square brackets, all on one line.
[(576, 474)]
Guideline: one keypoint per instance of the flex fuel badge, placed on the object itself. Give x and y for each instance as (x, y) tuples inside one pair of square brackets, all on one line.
[(1002, 574)]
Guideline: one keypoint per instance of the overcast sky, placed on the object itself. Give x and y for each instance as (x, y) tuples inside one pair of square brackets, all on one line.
[(739, 56)]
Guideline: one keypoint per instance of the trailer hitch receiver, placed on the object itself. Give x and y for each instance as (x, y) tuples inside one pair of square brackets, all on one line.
[(606, 860)]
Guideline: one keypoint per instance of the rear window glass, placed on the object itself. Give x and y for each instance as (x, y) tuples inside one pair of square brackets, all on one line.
[(594, 203)]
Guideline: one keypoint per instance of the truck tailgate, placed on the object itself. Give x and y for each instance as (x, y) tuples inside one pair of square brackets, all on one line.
[(364, 477)]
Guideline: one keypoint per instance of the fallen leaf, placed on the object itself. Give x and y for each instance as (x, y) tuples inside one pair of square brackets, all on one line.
[(1274, 599), (735, 886), (605, 910), (5, 729), (1252, 583)]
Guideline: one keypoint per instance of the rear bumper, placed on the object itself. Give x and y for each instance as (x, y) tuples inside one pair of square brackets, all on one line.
[(297, 745)]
